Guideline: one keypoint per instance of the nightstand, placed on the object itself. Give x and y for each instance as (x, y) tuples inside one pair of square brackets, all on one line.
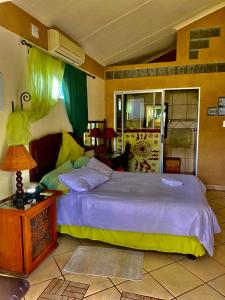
[(27, 236)]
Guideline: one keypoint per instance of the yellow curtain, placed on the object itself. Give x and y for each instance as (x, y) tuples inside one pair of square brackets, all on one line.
[(44, 82)]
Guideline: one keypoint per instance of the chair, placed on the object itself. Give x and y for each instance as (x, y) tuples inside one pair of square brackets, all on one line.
[(13, 288)]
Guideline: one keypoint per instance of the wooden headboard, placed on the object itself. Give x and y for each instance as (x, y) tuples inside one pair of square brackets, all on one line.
[(45, 152)]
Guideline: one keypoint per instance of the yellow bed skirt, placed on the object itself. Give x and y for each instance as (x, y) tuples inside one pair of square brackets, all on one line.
[(136, 240)]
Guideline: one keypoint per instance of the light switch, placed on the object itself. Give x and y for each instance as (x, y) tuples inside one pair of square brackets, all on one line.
[(35, 31)]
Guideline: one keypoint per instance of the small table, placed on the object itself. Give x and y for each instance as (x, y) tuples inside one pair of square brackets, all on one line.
[(27, 236)]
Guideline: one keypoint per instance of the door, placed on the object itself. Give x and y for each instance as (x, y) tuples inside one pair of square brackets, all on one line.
[(140, 120)]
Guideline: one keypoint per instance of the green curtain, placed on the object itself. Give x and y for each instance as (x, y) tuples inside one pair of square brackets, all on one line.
[(45, 75), (75, 97)]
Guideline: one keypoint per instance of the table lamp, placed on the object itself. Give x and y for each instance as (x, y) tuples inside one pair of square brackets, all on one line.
[(17, 158), (95, 133), (109, 133)]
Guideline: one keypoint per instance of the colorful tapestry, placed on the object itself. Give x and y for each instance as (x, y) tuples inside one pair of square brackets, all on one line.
[(145, 150)]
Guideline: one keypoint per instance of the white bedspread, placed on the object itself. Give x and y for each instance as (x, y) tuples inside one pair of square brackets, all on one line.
[(143, 203)]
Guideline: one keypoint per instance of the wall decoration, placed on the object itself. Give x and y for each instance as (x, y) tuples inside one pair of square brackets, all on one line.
[(221, 101), (199, 39), (145, 150), (212, 111), (221, 111), (1, 93)]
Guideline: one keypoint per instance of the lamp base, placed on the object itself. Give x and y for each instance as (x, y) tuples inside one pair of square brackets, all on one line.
[(19, 185)]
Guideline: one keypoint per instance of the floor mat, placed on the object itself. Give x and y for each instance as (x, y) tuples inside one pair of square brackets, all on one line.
[(64, 289), (132, 296), (108, 262)]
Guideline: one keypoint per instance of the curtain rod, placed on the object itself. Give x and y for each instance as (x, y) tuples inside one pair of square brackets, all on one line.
[(24, 42)]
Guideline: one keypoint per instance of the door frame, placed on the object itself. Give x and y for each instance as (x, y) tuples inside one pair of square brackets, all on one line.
[(163, 91), (122, 93)]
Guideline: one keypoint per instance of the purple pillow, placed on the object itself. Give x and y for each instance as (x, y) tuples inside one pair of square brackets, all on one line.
[(83, 179)]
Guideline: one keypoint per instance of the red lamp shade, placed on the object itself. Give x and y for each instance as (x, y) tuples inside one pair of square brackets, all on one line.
[(17, 158), (109, 133), (96, 133)]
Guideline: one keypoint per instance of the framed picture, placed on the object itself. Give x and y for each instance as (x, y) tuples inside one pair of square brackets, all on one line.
[(212, 111), (221, 111), (1, 93), (221, 101)]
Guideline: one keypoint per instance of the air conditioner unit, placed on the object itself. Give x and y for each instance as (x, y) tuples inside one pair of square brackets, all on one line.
[(62, 47)]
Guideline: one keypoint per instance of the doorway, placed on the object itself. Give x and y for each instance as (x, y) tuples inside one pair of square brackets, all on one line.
[(159, 125), (182, 129), (139, 120)]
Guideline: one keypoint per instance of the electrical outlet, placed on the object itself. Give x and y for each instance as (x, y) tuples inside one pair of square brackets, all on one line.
[(35, 31)]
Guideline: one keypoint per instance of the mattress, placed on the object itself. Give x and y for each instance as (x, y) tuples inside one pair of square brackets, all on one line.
[(137, 202)]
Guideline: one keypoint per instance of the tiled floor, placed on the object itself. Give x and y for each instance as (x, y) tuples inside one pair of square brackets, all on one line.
[(166, 276)]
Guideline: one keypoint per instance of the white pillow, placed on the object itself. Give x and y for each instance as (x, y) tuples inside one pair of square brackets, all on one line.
[(83, 179), (99, 166)]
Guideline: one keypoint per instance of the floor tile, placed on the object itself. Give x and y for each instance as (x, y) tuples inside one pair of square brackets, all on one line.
[(216, 204), (110, 294), (118, 280), (176, 279), (63, 258), (203, 292), (148, 287), (216, 243), (177, 256), (220, 218), (66, 243), (36, 289), (154, 260), (211, 194), (222, 212), (218, 284), (97, 283), (48, 269), (219, 254), (220, 237), (204, 267)]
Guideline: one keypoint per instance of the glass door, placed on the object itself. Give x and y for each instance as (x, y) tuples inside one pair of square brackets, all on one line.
[(140, 120)]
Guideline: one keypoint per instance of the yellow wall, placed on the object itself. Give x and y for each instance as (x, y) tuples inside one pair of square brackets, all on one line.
[(211, 158)]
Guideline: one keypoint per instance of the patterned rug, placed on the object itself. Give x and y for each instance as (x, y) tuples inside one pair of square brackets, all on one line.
[(131, 296), (59, 289)]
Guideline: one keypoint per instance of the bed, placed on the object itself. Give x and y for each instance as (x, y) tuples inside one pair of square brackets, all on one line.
[(149, 215)]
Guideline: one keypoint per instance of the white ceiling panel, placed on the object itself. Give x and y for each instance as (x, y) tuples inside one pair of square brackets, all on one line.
[(113, 31)]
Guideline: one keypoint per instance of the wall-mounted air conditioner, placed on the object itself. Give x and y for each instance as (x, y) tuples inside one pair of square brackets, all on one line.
[(62, 47)]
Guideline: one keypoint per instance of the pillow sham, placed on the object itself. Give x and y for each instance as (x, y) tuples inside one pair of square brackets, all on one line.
[(83, 179), (99, 166), (81, 162), (70, 149), (51, 181)]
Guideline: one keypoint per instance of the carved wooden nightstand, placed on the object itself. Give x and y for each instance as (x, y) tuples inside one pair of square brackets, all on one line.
[(27, 236)]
